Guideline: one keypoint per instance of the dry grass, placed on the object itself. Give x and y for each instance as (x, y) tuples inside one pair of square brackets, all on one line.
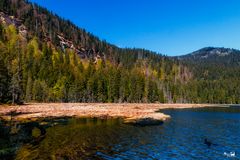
[(101, 110)]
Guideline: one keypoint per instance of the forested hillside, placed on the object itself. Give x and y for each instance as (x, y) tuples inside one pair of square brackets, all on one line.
[(48, 59), (214, 63), (44, 58), (216, 72)]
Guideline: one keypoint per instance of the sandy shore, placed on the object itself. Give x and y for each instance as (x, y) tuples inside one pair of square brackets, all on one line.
[(130, 112)]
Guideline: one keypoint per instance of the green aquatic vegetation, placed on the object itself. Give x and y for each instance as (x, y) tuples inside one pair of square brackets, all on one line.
[(36, 132)]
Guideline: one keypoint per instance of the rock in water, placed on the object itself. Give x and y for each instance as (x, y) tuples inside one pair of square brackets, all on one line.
[(143, 122)]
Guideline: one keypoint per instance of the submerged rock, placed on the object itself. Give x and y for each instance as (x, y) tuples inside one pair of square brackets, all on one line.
[(36, 132), (143, 122)]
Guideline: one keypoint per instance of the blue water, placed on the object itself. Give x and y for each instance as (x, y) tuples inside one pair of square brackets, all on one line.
[(188, 129), (181, 138)]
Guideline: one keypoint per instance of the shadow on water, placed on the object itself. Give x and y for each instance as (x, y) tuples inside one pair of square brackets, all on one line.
[(66, 138), (14, 134), (229, 109)]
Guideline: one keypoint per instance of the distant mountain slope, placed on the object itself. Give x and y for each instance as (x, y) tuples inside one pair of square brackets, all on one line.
[(213, 63), (225, 56)]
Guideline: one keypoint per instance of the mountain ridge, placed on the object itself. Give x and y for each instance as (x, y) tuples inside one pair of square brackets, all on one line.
[(210, 51)]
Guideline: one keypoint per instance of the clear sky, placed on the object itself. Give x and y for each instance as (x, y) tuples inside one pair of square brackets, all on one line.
[(171, 27)]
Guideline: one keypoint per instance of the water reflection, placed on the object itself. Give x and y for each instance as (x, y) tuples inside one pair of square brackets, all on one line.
[(72, 139)]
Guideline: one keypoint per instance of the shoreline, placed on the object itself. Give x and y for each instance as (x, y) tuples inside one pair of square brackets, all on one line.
[(132, 113)]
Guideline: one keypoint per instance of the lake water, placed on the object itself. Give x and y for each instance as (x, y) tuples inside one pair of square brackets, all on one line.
[(182, 137)]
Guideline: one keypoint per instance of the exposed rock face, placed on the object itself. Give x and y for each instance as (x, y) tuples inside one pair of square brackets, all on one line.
[(11, 20), (64, 43), (81, 51)]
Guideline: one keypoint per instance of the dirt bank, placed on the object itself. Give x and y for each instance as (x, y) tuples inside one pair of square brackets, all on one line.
[(132, 113)]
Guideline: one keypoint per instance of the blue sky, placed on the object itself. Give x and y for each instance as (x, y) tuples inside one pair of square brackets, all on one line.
[(171, 27)]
